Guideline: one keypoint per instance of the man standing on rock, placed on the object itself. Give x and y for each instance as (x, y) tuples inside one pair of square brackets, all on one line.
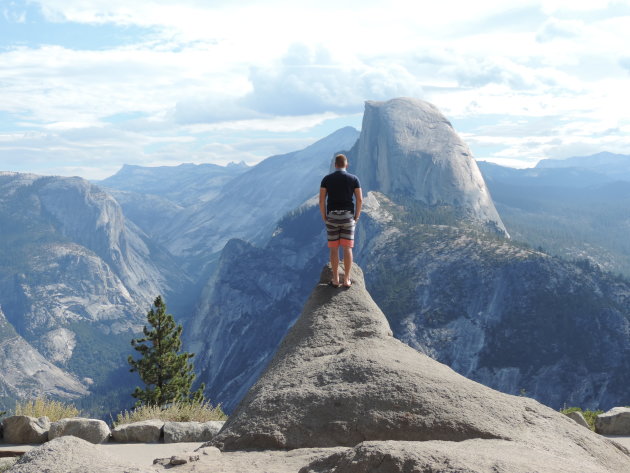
[(340, 215)]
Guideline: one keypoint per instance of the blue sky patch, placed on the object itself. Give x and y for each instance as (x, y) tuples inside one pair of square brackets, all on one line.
[(24, 25)]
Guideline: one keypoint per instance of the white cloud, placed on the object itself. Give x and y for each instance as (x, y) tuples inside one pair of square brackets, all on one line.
[(212, 110), (13, 13), (98, 150), (513, 163), (279, 124), (309, 81), (207, 73), (554, 28)]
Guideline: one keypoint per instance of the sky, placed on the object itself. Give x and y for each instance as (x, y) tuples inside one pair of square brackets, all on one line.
[(89, 85)]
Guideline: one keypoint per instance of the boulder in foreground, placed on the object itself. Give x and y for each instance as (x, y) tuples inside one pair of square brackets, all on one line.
[(339, 378), (614, 422), (90, 430), (25, 429), (146, 431), (191, 431)]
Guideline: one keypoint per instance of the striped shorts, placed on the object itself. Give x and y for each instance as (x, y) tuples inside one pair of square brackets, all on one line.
[(340, 228)]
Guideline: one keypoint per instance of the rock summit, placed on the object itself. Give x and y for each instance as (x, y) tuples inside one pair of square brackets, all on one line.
[(407, 147), (339, 378)]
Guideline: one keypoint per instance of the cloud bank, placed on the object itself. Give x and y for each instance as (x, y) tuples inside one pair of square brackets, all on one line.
[(164, 82)]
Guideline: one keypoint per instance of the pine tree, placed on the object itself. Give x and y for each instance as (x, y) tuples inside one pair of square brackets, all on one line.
[(167, 374)]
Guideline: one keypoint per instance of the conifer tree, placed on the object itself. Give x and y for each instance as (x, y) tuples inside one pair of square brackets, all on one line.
[(167, 374)]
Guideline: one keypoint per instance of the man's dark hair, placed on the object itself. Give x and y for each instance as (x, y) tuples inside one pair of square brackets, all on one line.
[(341, 161)]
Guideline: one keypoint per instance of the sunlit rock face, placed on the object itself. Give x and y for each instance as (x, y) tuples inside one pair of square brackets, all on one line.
[(26, 373), (76, 280), (408, 148)]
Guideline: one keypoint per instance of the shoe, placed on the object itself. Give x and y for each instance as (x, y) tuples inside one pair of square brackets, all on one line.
[(348, 285), (332, 284)]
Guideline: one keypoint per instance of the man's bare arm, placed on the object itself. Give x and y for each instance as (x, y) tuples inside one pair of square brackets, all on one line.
[(322, 202), (358, 197)]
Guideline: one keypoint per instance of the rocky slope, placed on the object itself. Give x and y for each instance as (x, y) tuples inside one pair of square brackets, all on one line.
[(76, 278), (25, 372), (243, 314), (339, 378), (79, 266), (512, 318)]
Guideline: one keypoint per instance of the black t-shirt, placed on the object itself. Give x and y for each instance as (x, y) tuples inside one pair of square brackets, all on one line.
[(340, 186)]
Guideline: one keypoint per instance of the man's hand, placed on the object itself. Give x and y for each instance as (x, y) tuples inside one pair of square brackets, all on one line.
[(358, 197), (322, 202)]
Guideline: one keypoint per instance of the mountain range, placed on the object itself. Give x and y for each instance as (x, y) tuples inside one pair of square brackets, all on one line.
[(75, 277), (235, 251), (576, 212)]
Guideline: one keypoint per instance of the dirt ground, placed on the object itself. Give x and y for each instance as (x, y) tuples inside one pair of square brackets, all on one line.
[(211, 459)]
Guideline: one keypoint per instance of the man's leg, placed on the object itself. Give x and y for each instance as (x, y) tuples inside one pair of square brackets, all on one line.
[(334, 263), (347, 242), (347, 265)]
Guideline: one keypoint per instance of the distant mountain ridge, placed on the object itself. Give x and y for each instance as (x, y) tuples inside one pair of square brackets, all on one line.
[(615, 166), (185, 184), (576, 213), (252, 202)]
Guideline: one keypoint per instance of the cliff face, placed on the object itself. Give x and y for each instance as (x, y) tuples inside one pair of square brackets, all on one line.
[(76, 278), (86, 215), (244, 313), (26, 373), (408, 148)]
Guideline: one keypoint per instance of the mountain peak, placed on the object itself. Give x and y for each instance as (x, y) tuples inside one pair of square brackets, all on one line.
[(407, 147)]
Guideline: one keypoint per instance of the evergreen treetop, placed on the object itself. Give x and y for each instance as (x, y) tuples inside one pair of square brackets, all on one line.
[(167, 374)]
